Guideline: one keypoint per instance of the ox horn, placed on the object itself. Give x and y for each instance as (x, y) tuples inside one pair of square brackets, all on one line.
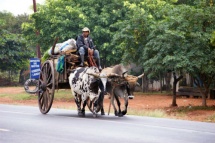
[(113, 74), (137, 84), (123, 74), (141, 75), (93, 74)]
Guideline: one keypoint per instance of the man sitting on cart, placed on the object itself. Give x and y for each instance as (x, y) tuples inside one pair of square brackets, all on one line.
[(83, 43)]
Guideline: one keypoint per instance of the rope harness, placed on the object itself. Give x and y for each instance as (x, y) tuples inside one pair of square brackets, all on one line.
[(90, 58)]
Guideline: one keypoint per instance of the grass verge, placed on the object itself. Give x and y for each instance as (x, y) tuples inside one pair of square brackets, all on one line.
[(60, 95), (187, 109), (19, 96), (150, 113), (211, 118), (63, 95), (153, 93)]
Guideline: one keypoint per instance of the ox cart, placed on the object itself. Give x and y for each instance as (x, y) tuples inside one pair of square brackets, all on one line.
[(56, 71), (51, 79)]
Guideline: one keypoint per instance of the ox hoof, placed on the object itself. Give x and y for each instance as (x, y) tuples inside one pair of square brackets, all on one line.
[(81, 114), (130, 97), (94, 115), (124, 112), (116, 113), (102, 111), (120, 115)]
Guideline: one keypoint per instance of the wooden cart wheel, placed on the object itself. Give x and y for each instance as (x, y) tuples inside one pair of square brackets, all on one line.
[(46, 87)]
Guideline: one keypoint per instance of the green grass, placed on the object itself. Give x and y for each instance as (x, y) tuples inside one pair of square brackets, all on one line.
[(63, 95), (211, 118), (193, 108), (152, 93), (150, 113), (184, 111), (180, 114), (19, 96), (60, 95)]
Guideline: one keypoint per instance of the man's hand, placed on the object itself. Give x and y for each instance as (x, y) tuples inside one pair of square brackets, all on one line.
[(94, 47)]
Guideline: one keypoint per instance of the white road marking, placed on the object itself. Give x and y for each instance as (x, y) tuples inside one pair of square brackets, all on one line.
[(18, 112), (4, 130)]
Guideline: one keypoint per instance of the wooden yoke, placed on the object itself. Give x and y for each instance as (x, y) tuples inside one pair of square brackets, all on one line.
[(90, 58)]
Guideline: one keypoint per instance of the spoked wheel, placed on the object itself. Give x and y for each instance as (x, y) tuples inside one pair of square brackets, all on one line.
[(46, 87)]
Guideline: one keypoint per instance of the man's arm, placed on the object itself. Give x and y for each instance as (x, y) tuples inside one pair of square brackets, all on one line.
[(92, 46), (80, 43)]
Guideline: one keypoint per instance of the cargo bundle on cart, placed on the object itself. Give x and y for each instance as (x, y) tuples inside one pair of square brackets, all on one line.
[(60, 60)]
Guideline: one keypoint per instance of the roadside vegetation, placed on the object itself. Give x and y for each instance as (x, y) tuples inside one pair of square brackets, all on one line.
[(211, 118), (60, 95), (158, 113), (64, 100)]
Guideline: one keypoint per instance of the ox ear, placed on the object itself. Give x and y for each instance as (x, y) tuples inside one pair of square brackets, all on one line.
[(141, 75), (123, 74)]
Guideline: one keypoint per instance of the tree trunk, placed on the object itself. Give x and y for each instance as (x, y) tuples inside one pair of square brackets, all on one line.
[(21, 77), (174, 88), (144, 84), (204, 96), (160, 82), (191, 81), (167, 79), (174, 94), (206, 82), (204, 103), (9, 76)]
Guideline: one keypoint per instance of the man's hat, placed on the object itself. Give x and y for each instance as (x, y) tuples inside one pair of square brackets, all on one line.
[(86, 29)]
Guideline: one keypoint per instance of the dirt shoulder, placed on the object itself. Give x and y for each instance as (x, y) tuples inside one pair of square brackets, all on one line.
[(141, 102)]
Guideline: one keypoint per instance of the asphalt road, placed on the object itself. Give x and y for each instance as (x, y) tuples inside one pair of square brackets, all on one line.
[(24, 124)]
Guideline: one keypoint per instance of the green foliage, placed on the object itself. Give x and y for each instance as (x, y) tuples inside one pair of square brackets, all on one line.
[(65, 19), (213, 39), (180, 41), (161, 36), (57, 18), (14, 53), (164, 36)]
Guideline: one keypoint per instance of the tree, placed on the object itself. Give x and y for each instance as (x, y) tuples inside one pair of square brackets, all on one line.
[(213, 39), (57, 18), (12, 44), (65, 19), (171, 37)]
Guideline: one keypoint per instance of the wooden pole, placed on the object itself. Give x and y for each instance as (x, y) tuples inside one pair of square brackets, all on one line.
[(37, 32)]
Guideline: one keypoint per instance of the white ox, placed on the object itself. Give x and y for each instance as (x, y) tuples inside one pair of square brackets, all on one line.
[(88, 84)]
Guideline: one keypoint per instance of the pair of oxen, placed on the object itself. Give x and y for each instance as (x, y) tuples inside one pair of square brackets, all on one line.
[(89, 86)]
